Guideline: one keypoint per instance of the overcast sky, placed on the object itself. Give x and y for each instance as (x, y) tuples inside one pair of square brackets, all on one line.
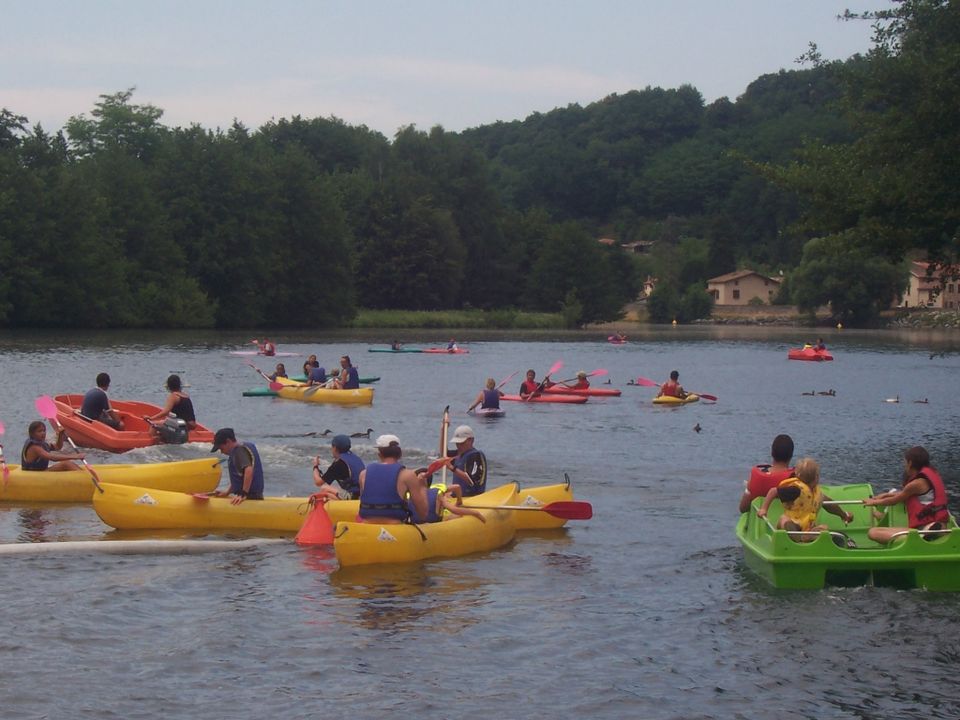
[(387, 64)]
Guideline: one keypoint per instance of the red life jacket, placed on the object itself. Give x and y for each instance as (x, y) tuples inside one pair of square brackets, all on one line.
[(920, 513), (669, 388), (763, 479)]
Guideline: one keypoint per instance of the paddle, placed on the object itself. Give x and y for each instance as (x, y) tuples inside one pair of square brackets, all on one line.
[(539, 391), (566, 509), (596, 373), (647, 382), (507, 379), (48, 409), (3, 461), (445, 424)]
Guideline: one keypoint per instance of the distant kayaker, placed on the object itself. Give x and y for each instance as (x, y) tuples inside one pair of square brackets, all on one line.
[(672, 388), (820, 347), (529, 386), (445, 504), (396, 345), (489, 397), (385, 484), (266, 348), (38, 454), (452, 346), (801, 498), (582, 383), (349, 378), (178, 406), (96, 404), (340, 481), (765, 477), (923, 495), (244, 467)]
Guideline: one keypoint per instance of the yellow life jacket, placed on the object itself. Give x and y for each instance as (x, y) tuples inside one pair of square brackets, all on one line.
[(802, 510)]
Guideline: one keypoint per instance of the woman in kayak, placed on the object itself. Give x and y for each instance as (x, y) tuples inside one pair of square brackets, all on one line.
[(37, 453), (582, 382), (923, 495), (489, 397)]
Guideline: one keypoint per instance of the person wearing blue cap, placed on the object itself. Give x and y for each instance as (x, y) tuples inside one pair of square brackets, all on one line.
[(341, 481)]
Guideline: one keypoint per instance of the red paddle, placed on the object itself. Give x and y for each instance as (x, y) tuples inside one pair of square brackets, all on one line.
[(3, 461), (48, 409), (567, 509), (507, 379)]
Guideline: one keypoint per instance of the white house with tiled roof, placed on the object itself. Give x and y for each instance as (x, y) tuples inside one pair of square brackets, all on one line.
[(740, 287), (930, 291)]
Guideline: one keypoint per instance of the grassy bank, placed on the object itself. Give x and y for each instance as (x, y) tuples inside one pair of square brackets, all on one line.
[(494, 319)]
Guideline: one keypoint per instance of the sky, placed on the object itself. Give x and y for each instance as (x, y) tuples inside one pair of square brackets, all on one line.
[(388, 64)]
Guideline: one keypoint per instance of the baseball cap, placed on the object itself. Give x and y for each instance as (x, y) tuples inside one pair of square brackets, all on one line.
[(223, 434), (385, 441), (341, 442), (464, 432)]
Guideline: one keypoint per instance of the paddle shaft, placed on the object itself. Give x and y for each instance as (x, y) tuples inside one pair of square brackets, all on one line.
[(556, 367), (93, 474), (567, 509), (444, 425)]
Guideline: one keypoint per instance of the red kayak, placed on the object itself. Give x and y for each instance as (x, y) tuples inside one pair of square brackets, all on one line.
[(586, 392), (551, 398), (808, 353), (444, 351)]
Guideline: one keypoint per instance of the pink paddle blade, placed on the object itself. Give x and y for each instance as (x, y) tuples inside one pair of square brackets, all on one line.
[(2, 428), (46, 407), (317, 529), (647, 382)]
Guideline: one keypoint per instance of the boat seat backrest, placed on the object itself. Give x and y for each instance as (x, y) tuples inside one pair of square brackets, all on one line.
[(82, 416)]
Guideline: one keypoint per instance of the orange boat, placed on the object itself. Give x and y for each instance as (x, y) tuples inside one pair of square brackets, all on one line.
[(136, 433)]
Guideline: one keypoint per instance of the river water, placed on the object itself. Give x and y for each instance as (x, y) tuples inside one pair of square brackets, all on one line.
[(646, 611)]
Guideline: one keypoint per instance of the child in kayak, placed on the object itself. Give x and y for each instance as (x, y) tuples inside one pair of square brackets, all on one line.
[(445, 504), (38, 454), (801, 499)]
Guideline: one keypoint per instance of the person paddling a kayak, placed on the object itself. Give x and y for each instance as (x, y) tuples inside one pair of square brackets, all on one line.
[(489, 397), (38, 454), (673, 388), (582, 382)]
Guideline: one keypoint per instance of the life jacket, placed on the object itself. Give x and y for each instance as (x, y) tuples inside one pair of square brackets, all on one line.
[(269, 349), (670, 388), (479, 483), (527, 387), (380, 497), (802, 510), (491, 399), (352, 381), (236, 475), (924, 509), (434, 512), (317, 375), (356, 466), (41, 463), (763, 479), (582, 384)]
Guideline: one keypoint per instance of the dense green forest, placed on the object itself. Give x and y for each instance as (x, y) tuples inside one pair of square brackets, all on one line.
[(832, 173)]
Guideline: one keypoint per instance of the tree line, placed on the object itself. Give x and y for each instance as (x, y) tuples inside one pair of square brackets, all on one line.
[(833, 174)]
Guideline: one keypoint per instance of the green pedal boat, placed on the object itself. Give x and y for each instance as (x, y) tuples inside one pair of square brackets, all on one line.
[(931, 561)]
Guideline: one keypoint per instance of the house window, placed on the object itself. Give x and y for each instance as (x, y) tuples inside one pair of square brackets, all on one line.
[(950, 288), (736, 282), (716, 294), (736, 294)]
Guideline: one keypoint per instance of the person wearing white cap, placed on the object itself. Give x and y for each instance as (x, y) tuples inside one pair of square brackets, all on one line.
[(384, 486), (469, 465)]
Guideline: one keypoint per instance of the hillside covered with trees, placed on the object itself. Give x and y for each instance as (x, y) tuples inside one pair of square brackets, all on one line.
[(832, 174)]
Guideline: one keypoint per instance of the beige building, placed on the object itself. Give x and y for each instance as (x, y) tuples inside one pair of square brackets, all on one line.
[(740, 287), (923, 291)]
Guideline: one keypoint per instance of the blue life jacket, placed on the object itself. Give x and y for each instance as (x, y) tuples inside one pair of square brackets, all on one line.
[(380, 497), (318, 375), (479, 483), (236, 474), (355, 464), (353, 379), (40, 463), (432, 515), (491, 399)]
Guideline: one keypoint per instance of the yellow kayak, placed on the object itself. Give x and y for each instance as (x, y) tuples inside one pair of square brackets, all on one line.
[(370, 543), (319, 394), (189, 476), (137, 508), (671, 400), (537, 497)]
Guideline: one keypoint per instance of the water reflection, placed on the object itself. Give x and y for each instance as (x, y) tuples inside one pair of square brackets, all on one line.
[(34, 523)]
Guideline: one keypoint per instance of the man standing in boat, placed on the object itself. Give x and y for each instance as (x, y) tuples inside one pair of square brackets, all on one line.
[(244, 465)]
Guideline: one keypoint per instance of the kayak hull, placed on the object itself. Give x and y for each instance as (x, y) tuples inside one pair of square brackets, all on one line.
[(265, 391), (808, 353), (444, 351), (910, 562), (136, 433), (671, 400), (489, 412), (586, 392), (76, 486), (362, 543), (547, 398), (320, 394)]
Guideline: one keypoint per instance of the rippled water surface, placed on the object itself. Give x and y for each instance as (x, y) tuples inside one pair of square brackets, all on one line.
[(646, 611)]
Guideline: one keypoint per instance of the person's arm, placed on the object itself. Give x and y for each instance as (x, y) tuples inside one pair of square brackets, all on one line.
[(167, 407), (762, 511), (917, 486), (245, 487), (457, 507), (417, 489), (681, 393), (54, 456), (834, 509), (476, 402)]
